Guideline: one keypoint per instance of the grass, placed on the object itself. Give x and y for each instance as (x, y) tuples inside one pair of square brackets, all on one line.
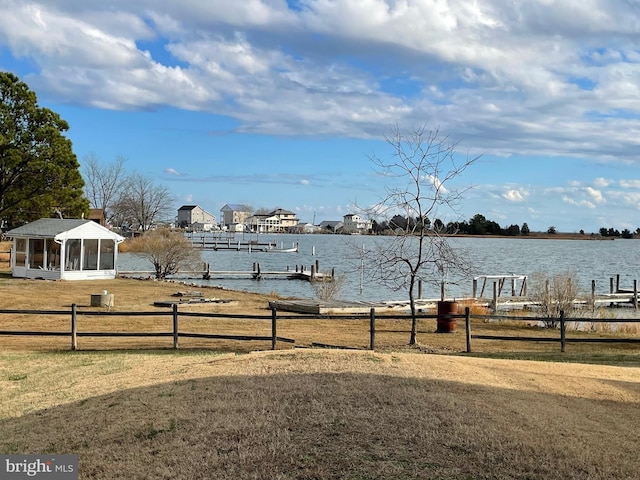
[(133, 408)]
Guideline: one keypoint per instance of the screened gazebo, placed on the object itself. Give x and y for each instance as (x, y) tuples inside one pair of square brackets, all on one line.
[(64, 249)]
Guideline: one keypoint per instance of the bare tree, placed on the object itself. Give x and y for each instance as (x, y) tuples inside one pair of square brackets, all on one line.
[(169, 252), (104, 183), (423, 164), (142, 203)]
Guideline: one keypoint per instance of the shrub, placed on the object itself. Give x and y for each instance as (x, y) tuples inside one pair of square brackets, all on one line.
[(554, 295), (168, 251)]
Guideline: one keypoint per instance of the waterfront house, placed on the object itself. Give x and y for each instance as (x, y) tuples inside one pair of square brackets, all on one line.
[(195, 218), (277, 221), (354, 223), (64, 249), (234, 214)]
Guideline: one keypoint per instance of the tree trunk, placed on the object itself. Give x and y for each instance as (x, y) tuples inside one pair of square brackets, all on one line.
[(414, 319)]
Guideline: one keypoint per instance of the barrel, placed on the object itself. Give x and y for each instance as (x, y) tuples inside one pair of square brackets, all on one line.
[(445, 323)]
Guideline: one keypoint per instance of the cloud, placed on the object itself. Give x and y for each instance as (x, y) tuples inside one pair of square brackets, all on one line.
[(172, 171), (524, 78), (630, 183), (514, 195), (304, 181), (602, 182), (578, 203)]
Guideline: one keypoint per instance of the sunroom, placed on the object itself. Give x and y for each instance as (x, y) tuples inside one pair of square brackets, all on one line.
[(64, 249)]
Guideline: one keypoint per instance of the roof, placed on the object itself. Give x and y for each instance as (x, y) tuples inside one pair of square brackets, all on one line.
[(236, 207), (55, 227), (280, 211), (187, 207), (47, 227)]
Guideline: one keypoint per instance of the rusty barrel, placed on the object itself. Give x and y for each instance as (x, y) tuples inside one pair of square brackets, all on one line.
[(445, 322)]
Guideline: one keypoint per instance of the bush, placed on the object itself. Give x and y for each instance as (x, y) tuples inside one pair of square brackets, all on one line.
[(554, 295), (168, 251)]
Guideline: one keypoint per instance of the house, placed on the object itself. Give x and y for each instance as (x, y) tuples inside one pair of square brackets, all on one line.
[(64, 249), (353, 223), (234, 214), (188, 215), (273, 222), (331, 226), (98, 216)]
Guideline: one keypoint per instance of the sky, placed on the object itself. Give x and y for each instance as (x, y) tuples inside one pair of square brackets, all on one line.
[(282, 104)]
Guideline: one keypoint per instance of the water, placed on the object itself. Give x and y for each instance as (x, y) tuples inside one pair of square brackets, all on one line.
[(589, 259)]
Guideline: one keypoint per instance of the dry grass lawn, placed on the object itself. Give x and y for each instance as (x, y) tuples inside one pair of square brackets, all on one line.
[(300, 413)]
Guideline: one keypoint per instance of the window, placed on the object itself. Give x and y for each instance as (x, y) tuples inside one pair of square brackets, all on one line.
[(74, 249), (107, 254), (53, 255), (36, 253), (21, 252), (90, 261)]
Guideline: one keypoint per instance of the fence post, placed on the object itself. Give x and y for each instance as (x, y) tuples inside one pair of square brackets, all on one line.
[(175, 325), (563, 332), (467, 321), (274, 330), (74, 328), (372, 329)]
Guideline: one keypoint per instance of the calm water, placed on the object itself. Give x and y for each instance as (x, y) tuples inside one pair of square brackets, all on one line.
[(589, 259)]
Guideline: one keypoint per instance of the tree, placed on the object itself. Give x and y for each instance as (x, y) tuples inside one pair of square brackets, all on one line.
[(39, 173), (142, 203), (552, 230), (169, 252), (423, 163), (104, 184), (525, 229)]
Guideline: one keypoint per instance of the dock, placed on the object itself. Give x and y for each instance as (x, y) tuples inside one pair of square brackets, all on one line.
[(311, 274)]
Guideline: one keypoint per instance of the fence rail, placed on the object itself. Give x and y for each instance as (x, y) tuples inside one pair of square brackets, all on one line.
[(176, 333)]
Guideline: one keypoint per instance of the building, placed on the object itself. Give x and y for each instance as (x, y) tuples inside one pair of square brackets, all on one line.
[(353, 223), (234, 214), (192, 215), (277, 221), (332, 226), (64, 249)]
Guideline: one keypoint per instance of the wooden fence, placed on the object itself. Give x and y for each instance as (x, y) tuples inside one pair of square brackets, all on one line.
[(175, 333)]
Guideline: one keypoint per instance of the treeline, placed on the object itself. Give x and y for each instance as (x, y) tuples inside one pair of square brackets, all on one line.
[(477, 225)]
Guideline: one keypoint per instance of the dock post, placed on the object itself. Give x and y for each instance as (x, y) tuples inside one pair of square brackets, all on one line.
[(495, 297), (317, 266), (442, 292), (635, 294), (610, 284), (618, 283), (513, 287), (475, 287), (419, 289), (593, 295), (313, 272)]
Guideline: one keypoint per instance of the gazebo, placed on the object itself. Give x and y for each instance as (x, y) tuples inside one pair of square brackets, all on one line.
[(64, 249)]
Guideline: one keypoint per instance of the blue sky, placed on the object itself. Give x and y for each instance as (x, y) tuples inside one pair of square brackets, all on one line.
[(277, 103)]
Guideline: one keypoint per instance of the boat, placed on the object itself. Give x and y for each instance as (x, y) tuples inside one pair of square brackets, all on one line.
[(293, 249)]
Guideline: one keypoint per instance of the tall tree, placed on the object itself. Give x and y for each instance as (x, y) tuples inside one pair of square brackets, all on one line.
[(104, 183), (39, 173), (423, 165), (143, 203)]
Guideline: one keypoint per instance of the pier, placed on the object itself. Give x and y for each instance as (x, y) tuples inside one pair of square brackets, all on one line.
[(301, 272)]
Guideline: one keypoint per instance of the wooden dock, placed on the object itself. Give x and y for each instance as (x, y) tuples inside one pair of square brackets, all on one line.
[(256, 273)]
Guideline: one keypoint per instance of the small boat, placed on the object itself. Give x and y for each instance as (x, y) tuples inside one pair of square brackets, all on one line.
[(293, 249)]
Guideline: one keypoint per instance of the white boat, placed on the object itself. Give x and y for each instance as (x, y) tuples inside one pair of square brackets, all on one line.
[(293, 249)]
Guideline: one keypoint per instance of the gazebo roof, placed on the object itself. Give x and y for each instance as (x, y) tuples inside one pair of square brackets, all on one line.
[(54, 227)]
